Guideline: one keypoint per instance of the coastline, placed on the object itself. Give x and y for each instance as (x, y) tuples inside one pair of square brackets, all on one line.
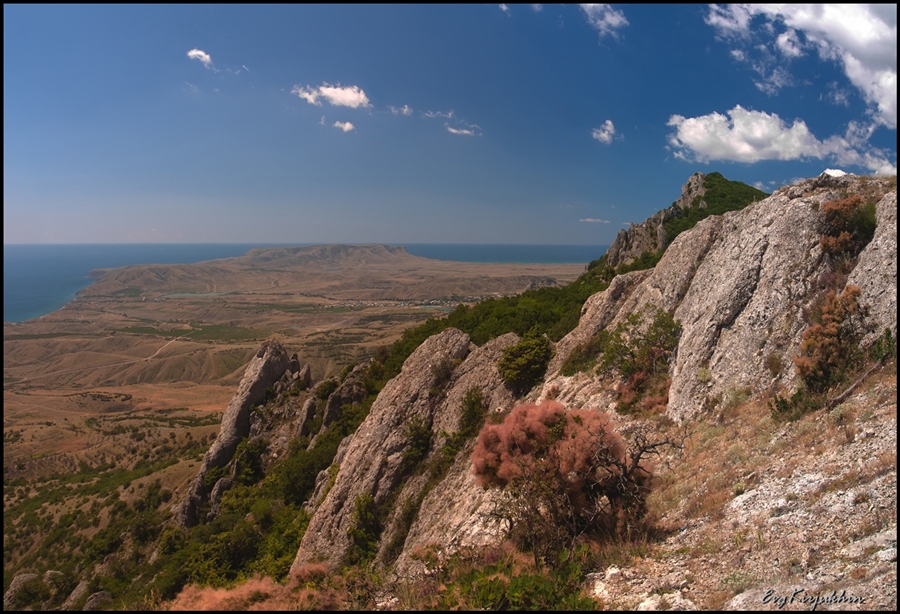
[(42, 279)]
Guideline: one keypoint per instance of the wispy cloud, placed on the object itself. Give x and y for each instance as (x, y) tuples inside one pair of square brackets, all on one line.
[(504, 8), (433, 114), (404, 110), (861, 38), (752, 136), (351, 96), (604, 133), (205, 59), (345, 126), (593, 220), (604, 18)]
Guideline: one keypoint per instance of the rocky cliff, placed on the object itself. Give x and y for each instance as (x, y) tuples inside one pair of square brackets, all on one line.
[(738, 283)]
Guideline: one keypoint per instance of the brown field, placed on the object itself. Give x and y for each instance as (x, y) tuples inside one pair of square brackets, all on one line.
[(156, 338)]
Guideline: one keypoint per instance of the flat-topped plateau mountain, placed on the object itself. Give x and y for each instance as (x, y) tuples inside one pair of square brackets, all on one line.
[(336, 272), (704, 419)]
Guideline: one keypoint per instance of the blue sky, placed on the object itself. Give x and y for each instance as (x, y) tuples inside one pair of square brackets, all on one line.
[(423, 124)]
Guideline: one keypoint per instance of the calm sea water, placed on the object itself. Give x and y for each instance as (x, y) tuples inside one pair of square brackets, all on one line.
[(39, 279)]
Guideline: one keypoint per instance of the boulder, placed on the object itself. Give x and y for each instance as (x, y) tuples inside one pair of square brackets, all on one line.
[(97, 601), (15, 587)]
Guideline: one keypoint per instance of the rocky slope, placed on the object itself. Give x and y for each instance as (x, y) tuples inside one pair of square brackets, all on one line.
[(739, 284)]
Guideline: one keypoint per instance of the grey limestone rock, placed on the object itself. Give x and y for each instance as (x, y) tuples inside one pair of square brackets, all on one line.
[(96, 601), (266, 368), (370, 460), (739, 283), (455, 513), (876, 272), (76, 595)]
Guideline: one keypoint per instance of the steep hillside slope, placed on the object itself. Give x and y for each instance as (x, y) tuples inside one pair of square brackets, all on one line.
[(740, 285)]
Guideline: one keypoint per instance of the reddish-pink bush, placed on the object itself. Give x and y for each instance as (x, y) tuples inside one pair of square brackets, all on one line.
[(565, 469)]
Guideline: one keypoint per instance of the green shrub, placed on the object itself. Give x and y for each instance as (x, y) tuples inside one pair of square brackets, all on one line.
[(248, 460), (365, 530), (324, 390), (721, 196), (418, 438), (884, 347), (584, 356), (524, 364), (632, 347)]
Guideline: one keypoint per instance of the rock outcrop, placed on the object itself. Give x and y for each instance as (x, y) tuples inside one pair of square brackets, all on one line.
[(739, 284), (876, 273), (267, 367), (370, 461), (15, 587), (650, 235), (456, 512)]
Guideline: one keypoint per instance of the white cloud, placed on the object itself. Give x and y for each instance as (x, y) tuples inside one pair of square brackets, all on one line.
[(351, 96), (752, 136), (404, 110), (789, 44), (308, 94), (345, 126), (774, 80), (197, 54), (537, 8), (604, 18), (593, 220), (471, 131), (604, 133), (862, 38), (504, 8)]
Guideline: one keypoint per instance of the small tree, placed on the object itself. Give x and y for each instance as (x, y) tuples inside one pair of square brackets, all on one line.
[(567, 473)]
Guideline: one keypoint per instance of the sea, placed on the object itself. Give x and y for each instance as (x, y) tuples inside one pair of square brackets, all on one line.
[(39, 279)]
